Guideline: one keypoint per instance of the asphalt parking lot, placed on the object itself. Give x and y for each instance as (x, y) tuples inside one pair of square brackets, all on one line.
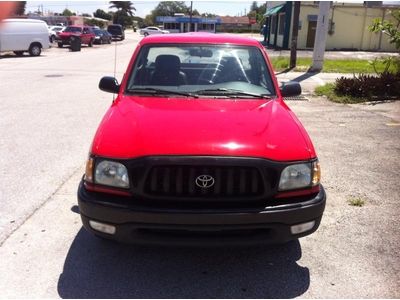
[(50, 109)]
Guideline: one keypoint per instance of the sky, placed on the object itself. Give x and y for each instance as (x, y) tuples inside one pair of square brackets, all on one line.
[(144, 7)]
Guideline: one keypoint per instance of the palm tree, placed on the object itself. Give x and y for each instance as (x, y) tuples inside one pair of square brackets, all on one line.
[(124, 6)]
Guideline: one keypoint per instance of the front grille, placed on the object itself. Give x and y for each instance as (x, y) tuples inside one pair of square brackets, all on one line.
[(180, 181)]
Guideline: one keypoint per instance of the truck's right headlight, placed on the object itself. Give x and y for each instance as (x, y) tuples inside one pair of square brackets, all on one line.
[(111, 173), (300, 176)]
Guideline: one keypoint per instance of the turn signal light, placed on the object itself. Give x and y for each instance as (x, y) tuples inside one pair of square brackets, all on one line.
[(316, 173), (89, 170)]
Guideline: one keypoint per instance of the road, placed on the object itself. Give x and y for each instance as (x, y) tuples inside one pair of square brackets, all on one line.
[(50, 110)]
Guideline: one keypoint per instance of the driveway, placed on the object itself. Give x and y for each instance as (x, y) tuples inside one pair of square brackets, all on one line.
[(46, 127)]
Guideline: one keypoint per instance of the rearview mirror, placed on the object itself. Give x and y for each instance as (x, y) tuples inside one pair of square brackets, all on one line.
[(290, 89), (109, 84), (200, 52)]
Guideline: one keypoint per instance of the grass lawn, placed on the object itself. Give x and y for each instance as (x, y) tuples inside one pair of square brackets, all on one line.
[(330, 65), (328, 91)]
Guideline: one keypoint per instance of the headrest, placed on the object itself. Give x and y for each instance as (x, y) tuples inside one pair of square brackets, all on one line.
[(168, 62)]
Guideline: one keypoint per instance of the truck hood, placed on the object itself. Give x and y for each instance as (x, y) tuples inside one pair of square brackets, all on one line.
[(143, 126)]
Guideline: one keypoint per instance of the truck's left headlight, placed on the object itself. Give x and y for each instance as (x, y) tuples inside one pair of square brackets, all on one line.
[(299, 176), (111, 173)]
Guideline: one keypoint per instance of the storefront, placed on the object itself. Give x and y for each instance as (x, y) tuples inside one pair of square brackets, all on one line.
[(179, 24)]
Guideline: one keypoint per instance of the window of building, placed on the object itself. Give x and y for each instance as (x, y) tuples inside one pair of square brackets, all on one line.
[(172, 26), (209, 27), (273, 24), (281, 29)]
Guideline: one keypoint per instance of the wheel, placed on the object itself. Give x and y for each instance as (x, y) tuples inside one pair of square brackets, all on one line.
[(101, 42), (52, 38), (60, 45), (35, 50), (91, 43), (109, 41), (19, 53), (146, 34)]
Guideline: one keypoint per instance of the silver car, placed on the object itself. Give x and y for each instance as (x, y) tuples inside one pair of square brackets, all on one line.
[(152, 30)]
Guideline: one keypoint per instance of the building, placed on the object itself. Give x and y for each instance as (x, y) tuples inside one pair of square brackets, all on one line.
[(181, 23), (229, 24), (348, 25), (72, 20)]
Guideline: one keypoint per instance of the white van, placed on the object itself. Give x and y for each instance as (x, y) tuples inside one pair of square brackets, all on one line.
[(21, 35)]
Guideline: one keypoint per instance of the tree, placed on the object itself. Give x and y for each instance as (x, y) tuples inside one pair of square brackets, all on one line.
[(124, 6), (254, 6), (19, 8), (208, 15), (169, 8), (148, 21), (389, 28), (99, 13), (66, 12), (139, 21), (121, 17)]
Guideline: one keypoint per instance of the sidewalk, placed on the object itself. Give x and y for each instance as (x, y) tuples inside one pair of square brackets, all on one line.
[(328, 54), (309, 81)]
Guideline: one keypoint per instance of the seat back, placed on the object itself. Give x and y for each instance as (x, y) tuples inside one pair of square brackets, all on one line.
[(231, 70), (168, 71)]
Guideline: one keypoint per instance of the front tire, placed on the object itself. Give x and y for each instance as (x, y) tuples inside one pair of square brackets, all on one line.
[(35, 50), (91, 43)]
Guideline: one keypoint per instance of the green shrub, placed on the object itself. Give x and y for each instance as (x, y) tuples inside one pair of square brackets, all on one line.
[(371, 87)]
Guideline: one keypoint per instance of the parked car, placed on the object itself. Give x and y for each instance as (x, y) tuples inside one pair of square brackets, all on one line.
[(53, 32), (85, 33), (117, 31), (152, 30), (200, 147), (23, 35), (102, 36)]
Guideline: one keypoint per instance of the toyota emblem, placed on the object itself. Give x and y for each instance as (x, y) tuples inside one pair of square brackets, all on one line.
[(205, 181)]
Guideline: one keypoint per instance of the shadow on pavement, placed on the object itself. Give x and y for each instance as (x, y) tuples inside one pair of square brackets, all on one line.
[(101, 269), (305, 76)]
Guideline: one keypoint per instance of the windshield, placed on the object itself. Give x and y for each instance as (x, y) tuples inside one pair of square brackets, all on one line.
[(73, 29), (201, 70), (114, 29)]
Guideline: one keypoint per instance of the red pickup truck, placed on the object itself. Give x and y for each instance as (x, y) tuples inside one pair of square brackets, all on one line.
[(200, 147), (85, 33)]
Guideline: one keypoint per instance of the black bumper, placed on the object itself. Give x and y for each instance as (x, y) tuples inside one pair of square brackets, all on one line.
[(154, 225)]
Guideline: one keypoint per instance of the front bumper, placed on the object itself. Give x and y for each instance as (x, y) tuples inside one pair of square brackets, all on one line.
[(235, 226)]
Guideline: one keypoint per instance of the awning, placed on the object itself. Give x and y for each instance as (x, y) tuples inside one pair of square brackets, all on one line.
[(274, 10)]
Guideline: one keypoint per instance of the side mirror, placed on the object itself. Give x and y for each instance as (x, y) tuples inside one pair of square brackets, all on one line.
[(290, 89), (109, 84)]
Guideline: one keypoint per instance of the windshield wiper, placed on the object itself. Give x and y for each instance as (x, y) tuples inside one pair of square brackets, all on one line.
[(230, 92), (155, 91)]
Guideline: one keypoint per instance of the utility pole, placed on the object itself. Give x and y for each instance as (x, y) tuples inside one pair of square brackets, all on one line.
[(295, 33), (191, 13), (321, 35)]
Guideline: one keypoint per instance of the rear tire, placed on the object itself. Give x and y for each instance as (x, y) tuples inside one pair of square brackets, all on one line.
[(60, 45), (35, 50), (19, 53)]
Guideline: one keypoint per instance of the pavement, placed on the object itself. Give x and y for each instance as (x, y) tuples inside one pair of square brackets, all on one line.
[(336, 54), (50, 110)]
